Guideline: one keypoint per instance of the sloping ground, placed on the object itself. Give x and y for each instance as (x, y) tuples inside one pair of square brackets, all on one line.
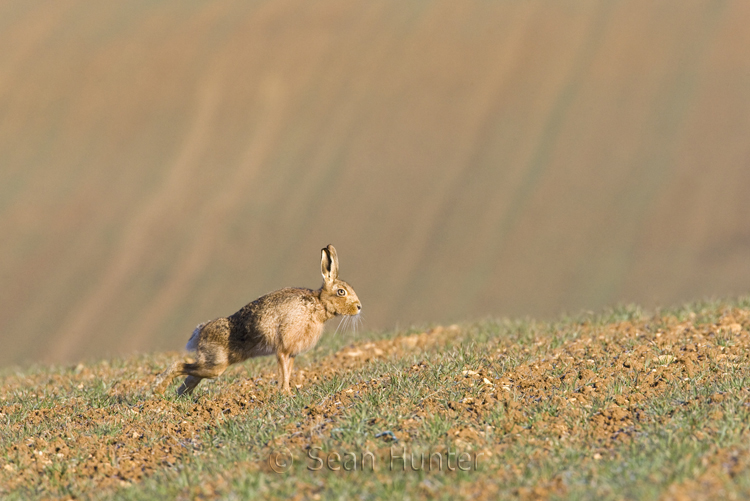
[(625, 405), (163, 163)]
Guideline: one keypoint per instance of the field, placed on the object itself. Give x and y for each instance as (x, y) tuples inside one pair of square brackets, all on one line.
[(623, 404), (165, 162)]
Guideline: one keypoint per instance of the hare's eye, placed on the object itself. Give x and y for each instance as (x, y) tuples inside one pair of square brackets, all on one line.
[(341, 292)]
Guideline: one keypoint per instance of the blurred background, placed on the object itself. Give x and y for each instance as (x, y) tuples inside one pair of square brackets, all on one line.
[(165, 162)]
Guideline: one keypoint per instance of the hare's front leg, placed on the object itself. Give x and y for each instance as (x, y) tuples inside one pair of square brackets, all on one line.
[(286, 364)]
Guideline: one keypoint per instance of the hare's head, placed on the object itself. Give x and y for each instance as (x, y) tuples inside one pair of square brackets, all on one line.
[(337, 295)]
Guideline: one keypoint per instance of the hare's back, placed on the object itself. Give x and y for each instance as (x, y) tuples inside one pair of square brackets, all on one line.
[(285, 305), (213, 332), (269, 313)]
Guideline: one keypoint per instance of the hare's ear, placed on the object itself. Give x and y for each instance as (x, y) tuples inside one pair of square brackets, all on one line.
[(329, 264)]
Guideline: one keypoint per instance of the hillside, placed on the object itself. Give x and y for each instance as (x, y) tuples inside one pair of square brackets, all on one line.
[(621, 405), (163, 163)]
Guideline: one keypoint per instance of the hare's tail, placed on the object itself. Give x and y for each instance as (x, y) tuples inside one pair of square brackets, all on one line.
[(192, 344)]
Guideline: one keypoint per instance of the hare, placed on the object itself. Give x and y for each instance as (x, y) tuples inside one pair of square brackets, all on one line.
[(285, 322)]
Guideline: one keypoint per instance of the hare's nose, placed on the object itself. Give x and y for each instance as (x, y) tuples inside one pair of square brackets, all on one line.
[(359, 307)]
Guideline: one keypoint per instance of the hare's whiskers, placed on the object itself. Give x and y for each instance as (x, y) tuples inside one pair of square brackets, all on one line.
[(339, 325)]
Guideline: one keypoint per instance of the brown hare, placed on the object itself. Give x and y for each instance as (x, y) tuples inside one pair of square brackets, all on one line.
[(286, 322)]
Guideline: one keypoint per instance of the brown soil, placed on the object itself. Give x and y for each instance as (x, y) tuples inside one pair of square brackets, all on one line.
[(626, 365), (174, 427)]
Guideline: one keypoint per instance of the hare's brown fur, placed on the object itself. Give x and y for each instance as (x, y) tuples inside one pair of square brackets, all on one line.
[(285, 322)]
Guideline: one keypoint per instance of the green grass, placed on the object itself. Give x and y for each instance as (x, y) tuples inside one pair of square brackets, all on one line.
[(581, 408)]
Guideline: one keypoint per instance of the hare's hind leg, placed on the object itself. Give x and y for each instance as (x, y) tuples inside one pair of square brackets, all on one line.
[(189, 385), (194, 371), (212, 361), (166, 377), (206, 368)]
